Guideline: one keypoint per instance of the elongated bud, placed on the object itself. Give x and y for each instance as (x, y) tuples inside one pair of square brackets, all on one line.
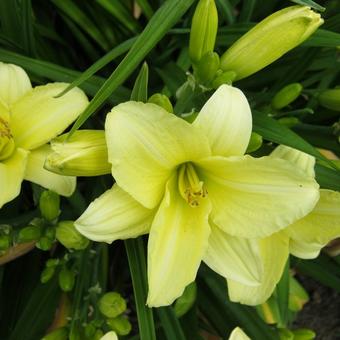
[(121, 325), (28, 234), (255, 142), (330, 99), (303, 334), (49, 204), (112, 304), (83, 154), (289, 121), (185, 302), (162, 101), (270, 39), (203, 30), (286, 95), (70, 237), (205, 70), (66, 279), (57, 334)]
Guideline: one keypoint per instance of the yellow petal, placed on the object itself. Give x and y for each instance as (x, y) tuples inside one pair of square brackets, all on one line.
[(226, 120), (109, 336), (145, 144), (114, 215), (38, 116), (14, 83), (255, 197), (314, 231), (274, 254), (35, 172), (177, 242), (11, 175), (238, 334), (233, 257)]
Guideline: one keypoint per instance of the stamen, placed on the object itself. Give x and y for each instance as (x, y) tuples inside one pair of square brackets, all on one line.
[(7, 145)]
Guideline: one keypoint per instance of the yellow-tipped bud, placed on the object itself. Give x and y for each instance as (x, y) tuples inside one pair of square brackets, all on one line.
[(83, 154), (270, 39), (203, 30), (330, 99)]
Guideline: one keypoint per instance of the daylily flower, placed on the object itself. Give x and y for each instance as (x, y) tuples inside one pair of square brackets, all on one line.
[(29, 118), (238, 334), (192, 188), (303, 238)]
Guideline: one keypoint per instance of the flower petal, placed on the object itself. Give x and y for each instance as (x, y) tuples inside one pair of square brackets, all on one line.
[(255, 197), (274, 254), (177, 242), (114, 215), (39, 116), (233, 257), (226, 120), (314, 231), (11, 175), (145, 144), (14, 83), (238, 334), (35, 172)]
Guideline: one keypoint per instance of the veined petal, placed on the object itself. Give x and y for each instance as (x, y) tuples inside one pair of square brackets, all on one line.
[(145, 144), (14, 83), (274, 254), (11, 175), (314, 231), (234, 257), (238, 334), (35, 172), (226, 120), (114, 215), (255, 197), (39, 116), (300, 159), (177, 242)]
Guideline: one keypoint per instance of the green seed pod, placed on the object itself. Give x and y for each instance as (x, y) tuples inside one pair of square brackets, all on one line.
[(28, 234), (66, 279), (255, 142), (112, 304), (47, 274), (270, 39), (224, 78), (162, 101), (70, 237), (185, 302), (49, 204), (121, 325), (57, 334), (203, 30), (286, 96), (205, 70), (330, 99)]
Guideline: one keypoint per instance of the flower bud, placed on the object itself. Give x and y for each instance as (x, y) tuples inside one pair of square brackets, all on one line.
[(223, 78), (112, 304), (289, 121), (28, 234), (270, 39), (162, 101), (255, 142), (47, 274), (83, 154), (286, 96), (205, 70), (45, 243), (57, 334), (203, 30), (303, 334), (49, 204), (121, 325), (70, 237), (285, 334), (330, 99), (66, 279), (185, 302)]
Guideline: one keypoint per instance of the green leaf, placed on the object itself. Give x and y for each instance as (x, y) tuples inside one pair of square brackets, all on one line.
[(171, 326), (282, 296), (327, 178), (146, 8), (310, 3), (28, 28), (140, 89), (323, 38)]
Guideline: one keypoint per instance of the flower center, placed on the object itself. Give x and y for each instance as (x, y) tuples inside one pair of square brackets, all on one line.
[(7, 145), (190, 186)]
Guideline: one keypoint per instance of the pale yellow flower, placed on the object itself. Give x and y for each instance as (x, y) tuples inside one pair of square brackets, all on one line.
[(238, 334)]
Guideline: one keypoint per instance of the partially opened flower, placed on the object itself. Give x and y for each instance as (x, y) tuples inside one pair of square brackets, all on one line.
[(303, 238), (29, 118), (191, 187)]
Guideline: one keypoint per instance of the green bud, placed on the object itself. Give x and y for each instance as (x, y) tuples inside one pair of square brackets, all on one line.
[(112, 304), (98, 335), (289, 121), (285, 334), (162, 101), (70, 237), (330, 99), (5, 242), (47, 274), (255, 142), (185, 302), (203, 30), (121, 325), (297, 295), (28, 234), (224, 78), (83, 154), (270, 39), (52, 262), (44, 243), (304, 334), (57, 334), (50, 233), (49, 204), (286, 96), (66, 279), (205, 70)]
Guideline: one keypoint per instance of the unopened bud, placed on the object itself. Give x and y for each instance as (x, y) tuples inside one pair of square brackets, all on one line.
[(289, 121), (285, 334), (45, 243), (57, 334), (185, 302), (112, 304), (121, 325), (330, 99), (255, 142), (304, 334), (162, 101), (203, 30), (224, 78), (28, 234), (286, 95), (47, 274), (83, 154), (70, 237), (205, 70), (66, 279), (270, 39), (49, 204)]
